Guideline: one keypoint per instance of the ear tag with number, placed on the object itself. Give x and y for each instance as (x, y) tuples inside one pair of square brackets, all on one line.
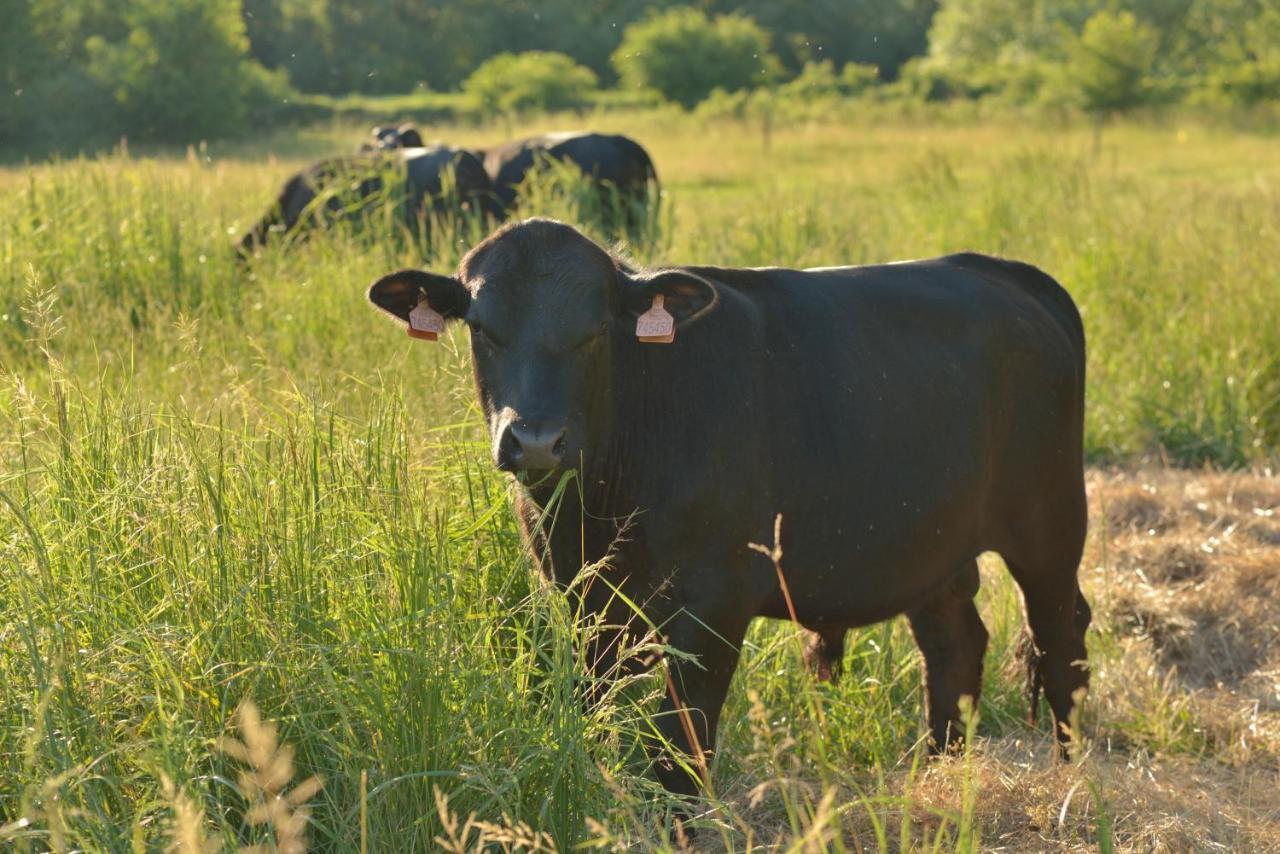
[(425, 322), (656, 326)]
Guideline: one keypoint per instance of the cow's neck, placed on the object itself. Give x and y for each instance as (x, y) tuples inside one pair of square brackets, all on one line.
[(572, 530), (596, 492)]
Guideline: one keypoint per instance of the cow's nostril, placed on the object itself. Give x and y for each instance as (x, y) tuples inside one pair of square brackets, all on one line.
[(508, 451), (560, 446)]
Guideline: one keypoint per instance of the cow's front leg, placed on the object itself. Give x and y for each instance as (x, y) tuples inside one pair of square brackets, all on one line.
[(614, 653), (709, 640)]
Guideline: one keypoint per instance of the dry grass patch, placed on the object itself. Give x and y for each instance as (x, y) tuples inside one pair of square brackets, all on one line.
[(1188, 572), (1029, 802)]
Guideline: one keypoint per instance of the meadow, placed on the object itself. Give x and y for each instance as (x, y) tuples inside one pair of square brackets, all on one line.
[(221, 485)]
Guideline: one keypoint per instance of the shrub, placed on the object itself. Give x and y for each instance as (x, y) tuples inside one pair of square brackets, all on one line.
[(181, 73), (815, 80), (1111, 63), (65, 109), (927, 79), (533, 81), (684, 55), (1247, 83), (1245, 64), (729, 105), (857, 77), (819, 80)]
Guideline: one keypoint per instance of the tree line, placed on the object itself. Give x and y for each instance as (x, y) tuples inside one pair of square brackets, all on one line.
[(183, 70)]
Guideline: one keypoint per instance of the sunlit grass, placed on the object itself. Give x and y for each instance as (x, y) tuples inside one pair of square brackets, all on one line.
[(220, 483)]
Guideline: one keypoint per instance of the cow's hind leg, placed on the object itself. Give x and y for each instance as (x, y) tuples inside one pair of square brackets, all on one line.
[(1058, 616), (824, 652), (1045, 564), (953, 640)]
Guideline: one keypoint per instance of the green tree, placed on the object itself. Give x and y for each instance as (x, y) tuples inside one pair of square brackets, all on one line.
[(1218, 50), (1236, 59), (534, 80), (978, 47), (22, 58), (340, 46), (182, 72), (884, 33), (684, 55), (1111, 63)]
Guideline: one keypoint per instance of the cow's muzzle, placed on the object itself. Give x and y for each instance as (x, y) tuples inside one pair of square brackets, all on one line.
[(530, 446)]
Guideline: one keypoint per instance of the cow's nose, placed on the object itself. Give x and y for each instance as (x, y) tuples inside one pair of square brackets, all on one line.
[(532, 447)]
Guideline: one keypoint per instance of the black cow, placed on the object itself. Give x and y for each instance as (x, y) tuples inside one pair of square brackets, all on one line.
[(387, 137), (606, 158), (902, 419), (343, 186)]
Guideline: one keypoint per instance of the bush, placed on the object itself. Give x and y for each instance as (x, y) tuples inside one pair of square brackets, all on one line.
[(684, 55), (928, 79), (181, 73), (740, 105), (1245, 68), (1246, 84), (819, 80), (531, 81), (857, 77), (1111, 63), (64, 109)]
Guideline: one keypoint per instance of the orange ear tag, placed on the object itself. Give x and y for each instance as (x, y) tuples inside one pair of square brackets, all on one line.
[(656, 326), (425, 322)]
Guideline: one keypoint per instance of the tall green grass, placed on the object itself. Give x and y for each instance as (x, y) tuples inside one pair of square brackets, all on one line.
[(220, 483)]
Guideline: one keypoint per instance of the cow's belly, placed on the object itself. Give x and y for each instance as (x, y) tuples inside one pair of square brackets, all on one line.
[(883, 528), (868, 567)]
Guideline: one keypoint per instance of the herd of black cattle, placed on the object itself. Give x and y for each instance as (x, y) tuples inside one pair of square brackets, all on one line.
[(442, 180)]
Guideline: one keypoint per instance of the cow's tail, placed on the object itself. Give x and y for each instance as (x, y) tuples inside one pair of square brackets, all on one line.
[(1031, 669)]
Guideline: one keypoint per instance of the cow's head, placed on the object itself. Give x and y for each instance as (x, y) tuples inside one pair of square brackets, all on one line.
[(386, 137), (548, 311)]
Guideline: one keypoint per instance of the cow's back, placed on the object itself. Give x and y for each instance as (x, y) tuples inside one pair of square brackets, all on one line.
[(612, 158), (616, 159), (426, 168)]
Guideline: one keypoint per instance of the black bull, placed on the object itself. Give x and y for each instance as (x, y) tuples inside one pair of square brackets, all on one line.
[(902, 419), (334, 188)]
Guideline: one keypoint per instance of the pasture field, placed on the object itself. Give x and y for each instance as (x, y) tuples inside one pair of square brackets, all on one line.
[(221, 485)]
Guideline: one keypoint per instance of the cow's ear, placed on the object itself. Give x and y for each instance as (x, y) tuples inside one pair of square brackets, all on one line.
[(398, 294), (685, 296)]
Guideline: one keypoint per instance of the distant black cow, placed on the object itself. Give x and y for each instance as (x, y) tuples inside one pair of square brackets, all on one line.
[(343, 186), (606, 158), (901, 418), (387, 137)]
